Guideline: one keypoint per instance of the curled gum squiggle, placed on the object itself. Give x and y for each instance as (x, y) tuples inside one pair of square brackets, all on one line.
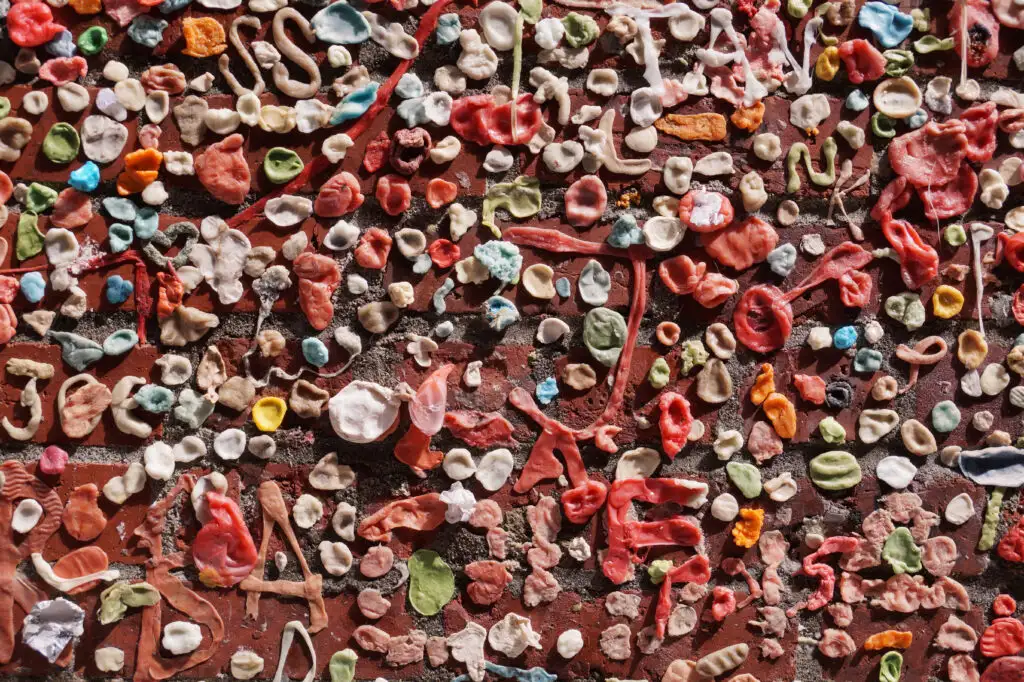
[(225, 62)]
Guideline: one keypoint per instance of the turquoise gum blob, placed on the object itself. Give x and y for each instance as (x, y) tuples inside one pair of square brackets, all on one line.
[(889, 26), (845, 337), (86, 178), (315, 352), (33, 287)]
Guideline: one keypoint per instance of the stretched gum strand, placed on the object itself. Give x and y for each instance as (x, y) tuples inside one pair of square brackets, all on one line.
[(224, 63), (919, 355), (289, 49)]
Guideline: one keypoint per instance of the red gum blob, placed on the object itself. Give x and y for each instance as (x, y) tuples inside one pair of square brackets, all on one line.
[(477, 118), (811, 388), (982, 32), (413, 450), (426, 409), (72, 209), (223, 550), (542, 463), (863, 62), (53, 460), (486, 514), (6, 187), (223, 170), (675, 422), (694, 206), (166, 77), (319, 276), (528, 121), (583, 501), (763, 319), (855, 288), (377, 151), (394, 194), (715, 289), (981, 121), (440, 192), (424, 512), (374, 247), (1018, 305), (823, 572), (1013, 249), (489, 581), (741, 245), (919, 262), (8, 288), (930, 155), (585, 201), (478, 429), (8, 323), (1004, 637), (338, 196), (723, 603), (1011, 546), (1004, 605), (951, 199), (444, 253), (63, 70), (844, 258), (894, 197), (681, 274), (30, 24), (1011, 120), (1006, 669), (467, 118), (625, 535), (668, 333), (409, 147)]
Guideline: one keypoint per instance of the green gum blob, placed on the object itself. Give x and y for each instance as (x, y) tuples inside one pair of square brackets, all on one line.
[(930, 43), (907, 309), (431, 582), (521, 198), (882, 126), (835, 470), (29, 240), (61, 143), (798, 8), (343, 665), (281, 165), (901, 552), (580, 29), (832, 431), (890, 667), (955, 234), (658, 376), (746, 477), (92, 40), (799, 151), (898, 62), (991, 524)]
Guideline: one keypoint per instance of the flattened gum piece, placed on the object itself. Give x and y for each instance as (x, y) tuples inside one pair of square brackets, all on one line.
[(707, 127), (82, 517)]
